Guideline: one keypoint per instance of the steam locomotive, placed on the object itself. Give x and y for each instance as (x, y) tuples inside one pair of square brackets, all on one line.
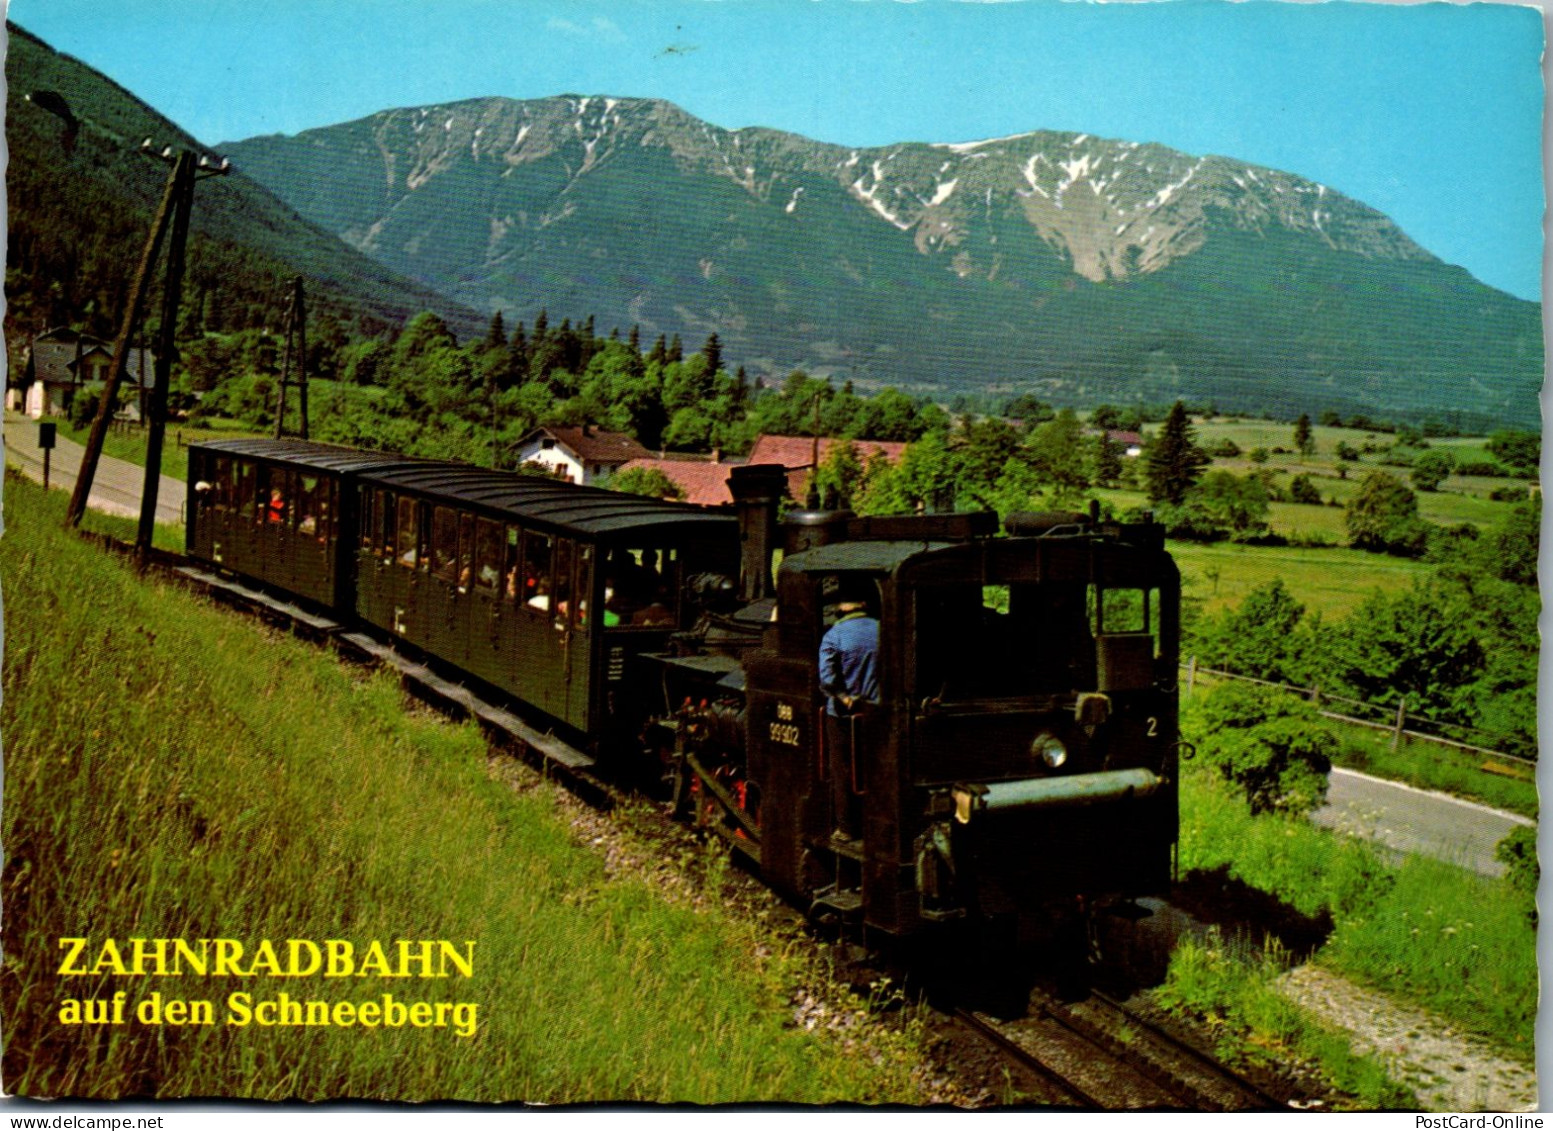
[(1019, 763)]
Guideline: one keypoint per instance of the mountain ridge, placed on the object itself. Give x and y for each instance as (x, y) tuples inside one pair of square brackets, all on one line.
[(1000, 262)]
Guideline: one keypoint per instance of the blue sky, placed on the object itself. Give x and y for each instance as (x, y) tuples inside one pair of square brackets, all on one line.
[(1430, 113)]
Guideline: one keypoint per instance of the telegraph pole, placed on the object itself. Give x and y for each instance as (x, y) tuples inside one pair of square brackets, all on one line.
[(172, 289), (296, 339), (174, 211)]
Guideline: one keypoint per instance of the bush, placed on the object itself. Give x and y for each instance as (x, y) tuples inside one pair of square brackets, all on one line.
[(1431, 469), (1271, 745), (1518, 853), (1225, 449), (1302, 490), (1347, 451), (1509, 494), (1383, 517), (1258, 455)]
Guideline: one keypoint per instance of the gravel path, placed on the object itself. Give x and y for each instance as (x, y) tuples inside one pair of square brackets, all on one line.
[(1449, 1071)]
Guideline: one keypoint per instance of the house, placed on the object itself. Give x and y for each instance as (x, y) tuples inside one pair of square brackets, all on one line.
[(796, 453), (704, 481), (61, 360), (1130, 442), (580, 454)]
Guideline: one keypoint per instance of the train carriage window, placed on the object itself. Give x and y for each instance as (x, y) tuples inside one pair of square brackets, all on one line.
[(444, 544), (466, 551), (328, 495), (584, 584), (512, 565), (536, 570), (371, 521), (407, 537), (307, 504), (1119, 610), (243, 476), (488, 547), (562, 603), (388, 525), (221, 480), (274, 495)]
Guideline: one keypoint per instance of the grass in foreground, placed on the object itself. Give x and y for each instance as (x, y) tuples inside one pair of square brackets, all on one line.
[(174, 771)]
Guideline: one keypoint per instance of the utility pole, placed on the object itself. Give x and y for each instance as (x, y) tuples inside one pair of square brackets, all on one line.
[(296, 339), (172, 289), (174, 211)]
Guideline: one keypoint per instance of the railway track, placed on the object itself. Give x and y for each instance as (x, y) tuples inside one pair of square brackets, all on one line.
[(1098, 1055)]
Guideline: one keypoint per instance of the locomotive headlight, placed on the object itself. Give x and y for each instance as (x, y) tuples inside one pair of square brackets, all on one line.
[(1049, 749)]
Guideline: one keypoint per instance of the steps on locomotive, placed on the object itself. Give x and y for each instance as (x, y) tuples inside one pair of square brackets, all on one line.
[(847, 903), (842, 845)]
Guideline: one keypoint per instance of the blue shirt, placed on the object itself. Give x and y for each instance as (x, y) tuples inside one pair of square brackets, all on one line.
[(848, 660)]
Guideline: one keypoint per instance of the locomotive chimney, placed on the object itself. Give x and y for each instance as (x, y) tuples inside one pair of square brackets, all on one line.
[(757, 490)]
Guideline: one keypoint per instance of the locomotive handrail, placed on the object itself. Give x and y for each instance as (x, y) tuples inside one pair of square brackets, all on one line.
[(936, 706)]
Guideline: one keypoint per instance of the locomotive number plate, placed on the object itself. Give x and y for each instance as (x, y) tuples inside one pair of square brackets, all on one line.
[(784, 730)]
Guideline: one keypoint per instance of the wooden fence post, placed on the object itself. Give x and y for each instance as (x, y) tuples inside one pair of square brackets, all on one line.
[(1396, 735), (1191, 675)]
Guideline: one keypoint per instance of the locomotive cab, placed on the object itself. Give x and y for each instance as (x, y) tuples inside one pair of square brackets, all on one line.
[(1021, 754)]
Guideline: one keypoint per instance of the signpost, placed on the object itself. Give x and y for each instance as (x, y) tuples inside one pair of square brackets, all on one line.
[(46, 430)]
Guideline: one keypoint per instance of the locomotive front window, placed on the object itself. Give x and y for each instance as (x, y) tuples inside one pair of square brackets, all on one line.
[(1001, 641)]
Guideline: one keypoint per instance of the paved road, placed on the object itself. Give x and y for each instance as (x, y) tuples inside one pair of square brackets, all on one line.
[(116, 487), (1409, 819)]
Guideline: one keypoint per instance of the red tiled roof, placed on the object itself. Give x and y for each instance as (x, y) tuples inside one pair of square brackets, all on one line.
[(593, 446), (1124, 437), (704, 483), (794, 452)]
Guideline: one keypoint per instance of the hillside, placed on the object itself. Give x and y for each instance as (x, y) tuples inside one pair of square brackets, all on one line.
[(1078, 267), (80, 209)]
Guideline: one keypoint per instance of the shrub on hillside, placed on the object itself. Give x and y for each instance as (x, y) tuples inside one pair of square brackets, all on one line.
[(1271, 745)]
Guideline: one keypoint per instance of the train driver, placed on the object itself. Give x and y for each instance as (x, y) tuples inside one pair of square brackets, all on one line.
[(849, 677)]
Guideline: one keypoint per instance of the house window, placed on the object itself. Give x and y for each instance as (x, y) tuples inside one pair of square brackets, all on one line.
[(547, 443)]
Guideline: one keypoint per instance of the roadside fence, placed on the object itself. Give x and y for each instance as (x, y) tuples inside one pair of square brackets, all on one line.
[(1395, 720)]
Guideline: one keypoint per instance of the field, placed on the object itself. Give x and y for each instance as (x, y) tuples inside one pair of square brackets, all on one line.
[(129, 444)]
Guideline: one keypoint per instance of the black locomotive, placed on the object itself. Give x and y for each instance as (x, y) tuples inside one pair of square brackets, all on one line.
[(1018, 763)]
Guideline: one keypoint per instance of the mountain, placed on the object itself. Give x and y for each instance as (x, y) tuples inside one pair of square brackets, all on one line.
[(81, 198), (1081, 268)]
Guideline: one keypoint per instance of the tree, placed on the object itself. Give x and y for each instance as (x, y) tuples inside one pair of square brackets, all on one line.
[(496, 333), (1383, 517), (1431, 469), (647, 481), (1271, 745), (1302, 489), (1304, 440), (1521, 452), (1106, 417), (1260, 638), (1174, 461), (1346, 451), (713, 352), (1108, 461), (1240, 505), (1420, 645)]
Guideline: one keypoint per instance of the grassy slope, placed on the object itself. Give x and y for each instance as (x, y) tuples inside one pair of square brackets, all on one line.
[(173, 770), (1456, 942)]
